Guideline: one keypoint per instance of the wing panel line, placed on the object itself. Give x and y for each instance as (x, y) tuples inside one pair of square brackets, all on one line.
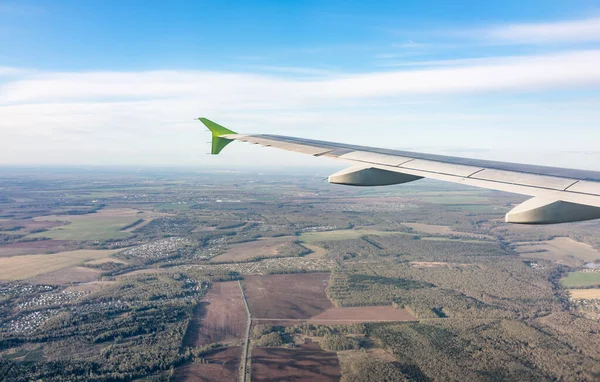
[(476, 172), (571, 185)]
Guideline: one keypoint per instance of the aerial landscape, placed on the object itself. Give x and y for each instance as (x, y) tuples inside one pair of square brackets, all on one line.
[(201, 190), (206, 276)]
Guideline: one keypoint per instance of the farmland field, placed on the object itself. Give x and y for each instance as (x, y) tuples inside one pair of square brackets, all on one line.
[(581, 279), (562, 250), (26, 266), (295, 296), (106, 260), (352, 315), (173, 207), (317, 252), (221, 365), (67, 276), (348, 234), (34, 247), (219, 318), (306, 363), (430, 228), (263, 247), (585, 293), (102, 225), (442, 230), (344, 234), (168, 310)]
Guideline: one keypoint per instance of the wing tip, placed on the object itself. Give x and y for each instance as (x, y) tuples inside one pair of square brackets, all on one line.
[(216, 129), (218, 141)]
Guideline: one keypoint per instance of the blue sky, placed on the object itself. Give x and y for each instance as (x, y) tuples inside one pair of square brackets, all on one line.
[(118, 82)]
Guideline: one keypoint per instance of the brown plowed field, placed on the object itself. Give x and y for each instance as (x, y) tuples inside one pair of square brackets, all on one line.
[(294, 296), (219, 318), (28, 266), (223, 365), (263, 247), (352, 315), (67, 276), (307, 363), (28, 224), (585, 293), (348, 316), (35, 247)]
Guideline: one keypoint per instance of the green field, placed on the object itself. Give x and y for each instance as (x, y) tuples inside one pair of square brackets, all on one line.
[(27, 356), (89, 230), (172, 207), (97, 195), (343, 234), (103, 225), (581, 279), (347, 234), (435, 238)]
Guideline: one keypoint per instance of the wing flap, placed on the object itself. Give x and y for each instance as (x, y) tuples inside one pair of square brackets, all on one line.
[(585, 187), (441, 167), (522, 179), (375, 158)]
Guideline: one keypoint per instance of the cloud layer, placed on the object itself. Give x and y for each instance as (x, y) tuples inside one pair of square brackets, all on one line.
[(564, 70), (583, 30), (145, 117)]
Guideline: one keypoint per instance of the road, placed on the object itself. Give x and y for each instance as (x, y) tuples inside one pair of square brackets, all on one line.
[(244, 370)]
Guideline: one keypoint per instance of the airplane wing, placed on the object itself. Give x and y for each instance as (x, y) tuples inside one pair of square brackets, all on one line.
[(559, 195)]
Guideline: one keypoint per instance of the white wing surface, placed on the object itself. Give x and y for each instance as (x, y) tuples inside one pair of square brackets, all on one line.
[(559, 195)]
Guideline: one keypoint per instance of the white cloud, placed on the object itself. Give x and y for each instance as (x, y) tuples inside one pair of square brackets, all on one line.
[(146, 117), (7, 71), (410, 45), (213, 89), (583, 30)]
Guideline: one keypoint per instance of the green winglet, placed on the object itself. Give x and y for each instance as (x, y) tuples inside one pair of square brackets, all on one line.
[(216, 129), (218, 143)]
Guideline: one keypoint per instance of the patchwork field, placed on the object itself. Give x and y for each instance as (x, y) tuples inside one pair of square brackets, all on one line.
[(27, 266), (581, 279), (263, 247), (102, 225), (219, 318), (221, 365), (293, 296), (562, 250), (306, 363)]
